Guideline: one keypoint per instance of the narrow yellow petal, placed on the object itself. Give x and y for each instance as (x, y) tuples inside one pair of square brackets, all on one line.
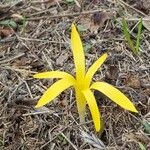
[(81, 105), (54, 91), (92, 70), (52, 74), (78, 53), (93, 108), (114, 94)]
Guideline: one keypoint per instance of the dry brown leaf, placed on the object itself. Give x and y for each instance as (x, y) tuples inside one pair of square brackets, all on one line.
[(147, 91), (112, 72), (97, 20), (133, 81), (6, 32)]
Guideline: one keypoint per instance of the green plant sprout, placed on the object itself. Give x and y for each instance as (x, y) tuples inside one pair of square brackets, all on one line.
[(9, 23), (126, 33), (82, 84)]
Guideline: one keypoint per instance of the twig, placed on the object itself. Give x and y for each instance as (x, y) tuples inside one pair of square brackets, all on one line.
[(69, 142), (7, 8), (67, 15), (134, 19), (9, 39), (83, 13), (12, 58), (9, 98), (41, 12), (28, 89), (37, 113), (48, 60), (38, 40), (19, 70), (127, 5), (54, 137)]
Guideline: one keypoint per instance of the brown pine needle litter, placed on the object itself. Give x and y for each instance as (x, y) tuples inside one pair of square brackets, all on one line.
[(41, 42)]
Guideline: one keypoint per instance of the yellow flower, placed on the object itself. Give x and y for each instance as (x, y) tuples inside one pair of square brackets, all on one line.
[(82, 84)]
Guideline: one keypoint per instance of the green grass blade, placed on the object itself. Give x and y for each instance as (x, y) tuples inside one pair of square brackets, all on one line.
[(142, 147), (138, 36), (127, 35)]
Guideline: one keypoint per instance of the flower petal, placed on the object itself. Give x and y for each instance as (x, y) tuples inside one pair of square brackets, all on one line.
[(92, 70), (81, 105), (52, 74), (54, 91), (114, 94), (78, 53), (93, 108)]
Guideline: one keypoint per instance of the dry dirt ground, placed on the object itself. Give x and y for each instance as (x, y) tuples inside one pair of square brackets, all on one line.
[(36, 39)]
